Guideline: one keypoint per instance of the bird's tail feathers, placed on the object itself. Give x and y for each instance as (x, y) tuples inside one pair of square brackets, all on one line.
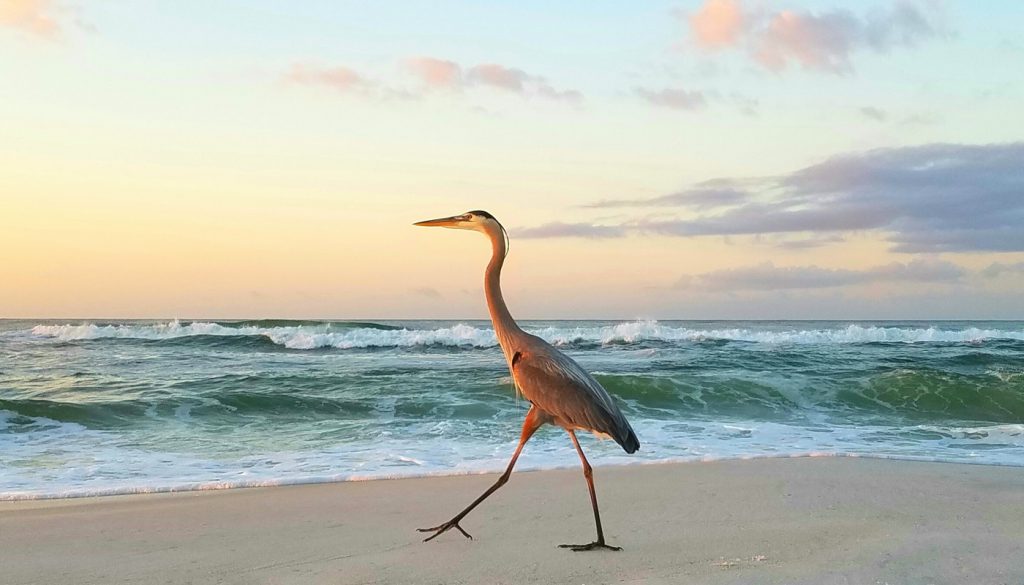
[(627, 439)]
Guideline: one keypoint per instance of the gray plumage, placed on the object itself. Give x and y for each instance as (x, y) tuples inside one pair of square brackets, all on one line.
[(572, 397)]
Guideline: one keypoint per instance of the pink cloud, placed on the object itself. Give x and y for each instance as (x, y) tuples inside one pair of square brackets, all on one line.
[(339, 78), (817, 42), (520, 82), (718, 23), (436, 73), (823, 41), (433, 74), (499, 76), (32, 16), (441, 74)]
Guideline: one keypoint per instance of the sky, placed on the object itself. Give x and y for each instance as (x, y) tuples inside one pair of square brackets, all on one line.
[(701, 159)]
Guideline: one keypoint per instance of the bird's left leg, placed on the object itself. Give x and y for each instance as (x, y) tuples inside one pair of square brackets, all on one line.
[(588, 472), (534, 419)]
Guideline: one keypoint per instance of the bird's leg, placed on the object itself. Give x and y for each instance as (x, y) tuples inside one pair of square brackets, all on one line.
[(534, 420), (588, 472)]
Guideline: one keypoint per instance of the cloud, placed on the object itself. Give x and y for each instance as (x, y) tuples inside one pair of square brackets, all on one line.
[(767, 276), (746, 104), (691, 100), (427, 292), (338, 78), (35, 17), (874, 113), (717, 24), (499, 76), (432, 74), (563, 230), (713, 194), (807, 243), (440, 74), (676, 99), (818, 41), (998, 269), (930, 198), (436, 73), (567, 95)]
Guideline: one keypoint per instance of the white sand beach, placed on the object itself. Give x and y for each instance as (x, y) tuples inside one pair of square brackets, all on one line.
[(795, 521)]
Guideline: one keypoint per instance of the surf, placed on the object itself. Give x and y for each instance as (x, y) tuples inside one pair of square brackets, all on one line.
[(359, 335)]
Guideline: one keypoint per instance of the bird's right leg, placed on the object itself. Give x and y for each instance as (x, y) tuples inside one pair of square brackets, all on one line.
[(534, 420), (588, 472)]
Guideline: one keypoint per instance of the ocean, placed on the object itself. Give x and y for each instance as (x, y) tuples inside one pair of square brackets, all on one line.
[(112, 407)]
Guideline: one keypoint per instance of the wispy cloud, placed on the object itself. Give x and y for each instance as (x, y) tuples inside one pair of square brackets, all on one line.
[(931, 198), (35, 17), (570, 230), (805, 243), (499, 76), (768, 277), (441, 74), (435, 73), (998, 269), (876, 114), (819, 41), (431, 75), (692, 100), (427, 292), (676, 99), (713, 194), (338, 78)]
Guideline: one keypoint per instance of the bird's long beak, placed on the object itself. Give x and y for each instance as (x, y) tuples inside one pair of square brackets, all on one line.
[(442, 222)]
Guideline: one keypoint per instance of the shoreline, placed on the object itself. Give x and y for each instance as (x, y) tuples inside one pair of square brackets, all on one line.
[(213, 486), (770, 520)]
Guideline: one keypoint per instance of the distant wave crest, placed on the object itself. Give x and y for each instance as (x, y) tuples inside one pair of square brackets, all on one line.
[(313, 335)]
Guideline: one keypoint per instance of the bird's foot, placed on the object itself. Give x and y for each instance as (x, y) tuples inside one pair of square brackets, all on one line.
[(441, 529), (591, 546)]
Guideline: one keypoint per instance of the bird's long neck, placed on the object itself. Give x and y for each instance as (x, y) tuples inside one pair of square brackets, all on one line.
[(505, 326)]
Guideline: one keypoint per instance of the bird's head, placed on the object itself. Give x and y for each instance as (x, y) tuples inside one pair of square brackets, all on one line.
[(478, 221)]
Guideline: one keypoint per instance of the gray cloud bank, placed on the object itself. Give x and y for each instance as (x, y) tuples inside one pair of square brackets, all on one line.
[(930, 198)]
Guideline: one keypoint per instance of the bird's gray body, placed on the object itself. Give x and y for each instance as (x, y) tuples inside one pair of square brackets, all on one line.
[(567, 393)]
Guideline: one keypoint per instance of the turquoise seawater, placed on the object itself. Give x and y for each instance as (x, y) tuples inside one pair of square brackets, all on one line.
[(134, 406)]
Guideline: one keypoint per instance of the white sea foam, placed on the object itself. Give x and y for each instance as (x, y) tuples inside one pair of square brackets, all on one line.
[(93, 463), (462, 335)]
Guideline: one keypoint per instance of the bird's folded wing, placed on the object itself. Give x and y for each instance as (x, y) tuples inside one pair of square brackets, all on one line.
[(560, 387)]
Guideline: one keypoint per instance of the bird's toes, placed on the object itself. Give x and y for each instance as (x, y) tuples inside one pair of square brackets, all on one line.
[(464, 533), (590, 546), (441, 529), (434, 529)]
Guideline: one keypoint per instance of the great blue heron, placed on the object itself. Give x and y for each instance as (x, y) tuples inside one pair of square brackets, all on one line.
[(560, 391)]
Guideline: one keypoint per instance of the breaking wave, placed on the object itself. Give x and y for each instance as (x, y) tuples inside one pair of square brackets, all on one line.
[(134, 406), (348, 335)]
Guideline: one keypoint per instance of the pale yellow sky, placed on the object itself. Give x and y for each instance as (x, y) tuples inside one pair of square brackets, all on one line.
[(173, 176)]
